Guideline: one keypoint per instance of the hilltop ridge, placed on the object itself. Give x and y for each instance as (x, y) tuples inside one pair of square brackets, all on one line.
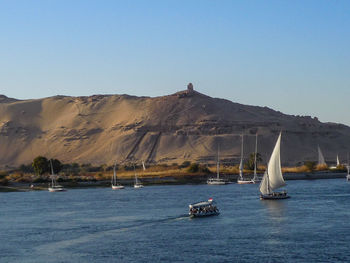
[(186, 125)]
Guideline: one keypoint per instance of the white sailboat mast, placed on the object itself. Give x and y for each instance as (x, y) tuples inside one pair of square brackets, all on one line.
[(52, 174), (114, 179), (256, 152), (136, 181), (241, 163), (218, 165)]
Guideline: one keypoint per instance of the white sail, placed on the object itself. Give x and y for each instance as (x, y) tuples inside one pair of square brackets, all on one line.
[(264, 185), (273, 178), (321, 160), (338, 162), (143, 166)]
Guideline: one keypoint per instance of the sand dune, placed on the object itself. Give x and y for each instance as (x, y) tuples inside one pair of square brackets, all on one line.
[(170, 129)]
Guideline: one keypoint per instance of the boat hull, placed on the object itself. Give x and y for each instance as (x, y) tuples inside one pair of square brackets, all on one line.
[(117, 187), (274, 196), (138, 186), (56, 189), (245, 182), (216, 183), (204, 214)]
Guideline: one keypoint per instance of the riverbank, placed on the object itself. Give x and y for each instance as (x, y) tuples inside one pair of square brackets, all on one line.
[(164, 180)]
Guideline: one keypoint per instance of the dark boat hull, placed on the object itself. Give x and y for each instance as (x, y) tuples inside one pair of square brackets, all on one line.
[(274, 196)]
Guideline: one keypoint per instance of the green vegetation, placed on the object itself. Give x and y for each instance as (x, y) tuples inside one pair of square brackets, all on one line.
[(39, 171), (311, 166), (40, 165), (251, 160), (3, 178)]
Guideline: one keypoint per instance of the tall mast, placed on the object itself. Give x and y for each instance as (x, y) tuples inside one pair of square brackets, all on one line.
[(52, 174), (241, 163), (218, 165), (114, 180), (256, 151), (135, 175)]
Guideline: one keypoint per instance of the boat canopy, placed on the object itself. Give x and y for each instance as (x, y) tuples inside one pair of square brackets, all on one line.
[(201, 204)]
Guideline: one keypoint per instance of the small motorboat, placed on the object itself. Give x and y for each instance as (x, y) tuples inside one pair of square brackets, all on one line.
[(204, 208)]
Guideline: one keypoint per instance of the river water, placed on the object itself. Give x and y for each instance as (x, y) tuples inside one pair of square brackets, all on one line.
[(151, 225)]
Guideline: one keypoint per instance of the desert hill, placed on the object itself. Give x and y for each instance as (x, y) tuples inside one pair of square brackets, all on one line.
[(170, 129)]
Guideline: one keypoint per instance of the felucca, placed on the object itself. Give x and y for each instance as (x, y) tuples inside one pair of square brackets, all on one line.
[(137, 183), (115, 184), (217, 180), (321, 160), (240, 179), (54, 187), (273, 178)]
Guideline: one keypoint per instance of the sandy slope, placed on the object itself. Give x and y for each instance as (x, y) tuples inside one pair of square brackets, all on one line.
[(183, 126)]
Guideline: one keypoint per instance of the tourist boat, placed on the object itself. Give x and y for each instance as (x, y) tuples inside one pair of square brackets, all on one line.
[(137, 183), (217, 180), (273, 178), (241, 179), (54, 187), (115, 184), (204, 208)]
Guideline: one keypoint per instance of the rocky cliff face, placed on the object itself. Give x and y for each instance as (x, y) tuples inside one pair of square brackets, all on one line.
[(183, 126)]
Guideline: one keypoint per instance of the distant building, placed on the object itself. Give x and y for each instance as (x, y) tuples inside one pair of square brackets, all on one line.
[(190, 87), (186, 93)]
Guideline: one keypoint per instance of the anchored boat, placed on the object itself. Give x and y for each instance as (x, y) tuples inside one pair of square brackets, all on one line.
[(217, 180), (115, 184), (241, 179), (54, 187), (137, 183)]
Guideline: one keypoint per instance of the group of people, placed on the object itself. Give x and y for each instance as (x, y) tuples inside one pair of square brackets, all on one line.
[(204, 209)]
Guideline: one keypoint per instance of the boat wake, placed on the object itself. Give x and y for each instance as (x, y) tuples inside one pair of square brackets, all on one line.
[(55, 247)]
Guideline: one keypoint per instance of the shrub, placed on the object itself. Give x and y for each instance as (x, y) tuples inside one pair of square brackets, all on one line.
[(310, 165), (185, 164), (193, 168)]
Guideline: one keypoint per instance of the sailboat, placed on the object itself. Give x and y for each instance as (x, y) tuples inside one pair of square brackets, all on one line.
[(217, 180), (338, 164), (240, 179), (321, 160), (137, 183), (115, 184), (256, 179), (273, 178), (54, 187)]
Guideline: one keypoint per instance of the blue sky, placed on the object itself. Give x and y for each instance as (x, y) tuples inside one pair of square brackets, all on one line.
[(292, 56)]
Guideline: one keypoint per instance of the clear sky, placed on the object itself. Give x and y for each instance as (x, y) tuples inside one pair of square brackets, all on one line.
[(292, 56)]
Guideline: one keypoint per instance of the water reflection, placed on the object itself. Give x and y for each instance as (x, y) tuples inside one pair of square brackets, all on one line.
[(276, 210)]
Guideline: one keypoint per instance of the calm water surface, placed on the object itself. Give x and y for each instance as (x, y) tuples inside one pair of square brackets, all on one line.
[(151, 225)]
